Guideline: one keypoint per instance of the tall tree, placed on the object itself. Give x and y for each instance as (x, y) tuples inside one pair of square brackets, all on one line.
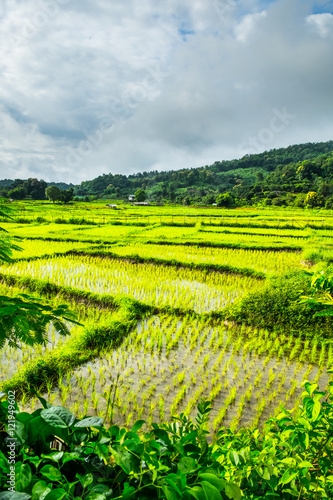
[(53, 193), (66, 196)]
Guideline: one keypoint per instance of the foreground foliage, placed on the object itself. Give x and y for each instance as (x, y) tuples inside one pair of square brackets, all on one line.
[(290, 458), (321, 299), (25, 319)]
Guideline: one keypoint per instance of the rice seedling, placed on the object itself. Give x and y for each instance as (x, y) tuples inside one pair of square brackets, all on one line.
[(156, 356)]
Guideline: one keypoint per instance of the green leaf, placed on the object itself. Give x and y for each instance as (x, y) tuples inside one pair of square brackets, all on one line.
[(96, 496), (14, 495), (129, 491), (233, 457), (266, 475), (40, 490), (57, 416), (210, 491), (187, 465), (90, 422), (86, 480), (56, 456), (56, 494), (137, 425), (233, 491), (316, 410), (51, 473), (171, 480), (198, 493), (288, 476), (170, 493), (214, 480), (74, 455), (125, 460), (99, 489), (305, 464), (23, 476)]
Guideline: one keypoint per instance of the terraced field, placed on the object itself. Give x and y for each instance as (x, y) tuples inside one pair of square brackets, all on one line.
[(152, 299)]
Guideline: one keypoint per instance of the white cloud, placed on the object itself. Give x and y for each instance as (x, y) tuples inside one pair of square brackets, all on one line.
[(89, 87), (247, 25), (321, 23)]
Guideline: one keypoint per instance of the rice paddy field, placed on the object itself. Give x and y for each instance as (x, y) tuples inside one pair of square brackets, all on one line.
[(150, 296)]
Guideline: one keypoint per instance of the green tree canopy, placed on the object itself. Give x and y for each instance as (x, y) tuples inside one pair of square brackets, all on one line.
[(314, 199), (225, 200), (53, 193), (66, 196), (140, 195)]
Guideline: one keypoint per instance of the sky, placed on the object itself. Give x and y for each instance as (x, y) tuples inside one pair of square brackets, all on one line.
[(89, 87)]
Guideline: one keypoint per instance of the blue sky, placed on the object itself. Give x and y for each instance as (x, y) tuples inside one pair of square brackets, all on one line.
[(323, 7), (92, 86)]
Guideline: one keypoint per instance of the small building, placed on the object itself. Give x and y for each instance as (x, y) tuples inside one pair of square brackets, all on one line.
[(114, 207), (131, 197), (141, 204)]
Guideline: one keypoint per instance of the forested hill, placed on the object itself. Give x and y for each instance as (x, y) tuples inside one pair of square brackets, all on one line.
[(272, 175), (282, 176)]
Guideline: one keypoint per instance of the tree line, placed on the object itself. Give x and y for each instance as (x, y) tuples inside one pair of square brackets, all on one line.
[(299, 175)]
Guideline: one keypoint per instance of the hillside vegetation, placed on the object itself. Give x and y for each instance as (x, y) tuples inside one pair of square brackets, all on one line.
[(299, 175), (280, 177)]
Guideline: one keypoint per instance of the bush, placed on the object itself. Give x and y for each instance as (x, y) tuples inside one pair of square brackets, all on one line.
[(22, 220), (40, 220), (312, 255), (277, 307)]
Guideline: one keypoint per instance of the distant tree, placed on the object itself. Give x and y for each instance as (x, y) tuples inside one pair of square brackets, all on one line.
[(140, 195), (35, 188), (259, 176), (172, 195), (53, 193), (314, 199), (280, 201), (325, 189), (209, 199), (67, 196), (18, 193), (225, 200)]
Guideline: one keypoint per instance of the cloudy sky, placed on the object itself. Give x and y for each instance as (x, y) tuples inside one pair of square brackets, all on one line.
[(96, 86)]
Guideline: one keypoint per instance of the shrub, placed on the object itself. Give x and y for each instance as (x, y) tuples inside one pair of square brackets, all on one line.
[(277, 306), (312, 255), (40, 220)]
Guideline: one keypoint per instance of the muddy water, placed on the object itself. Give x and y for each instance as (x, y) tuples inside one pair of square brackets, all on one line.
[(164, 357)]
